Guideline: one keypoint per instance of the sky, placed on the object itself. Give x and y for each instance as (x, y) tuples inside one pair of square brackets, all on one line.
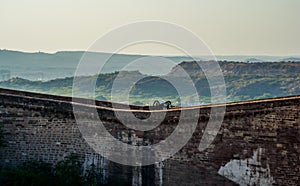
[(228, 27)]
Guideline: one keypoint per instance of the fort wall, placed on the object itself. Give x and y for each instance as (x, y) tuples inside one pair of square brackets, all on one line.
[(258, 142)]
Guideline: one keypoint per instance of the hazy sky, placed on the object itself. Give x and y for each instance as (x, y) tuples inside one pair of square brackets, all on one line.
[(229, 27)]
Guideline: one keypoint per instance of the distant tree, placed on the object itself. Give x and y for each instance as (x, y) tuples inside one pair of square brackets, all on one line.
[(101, 98), (138, 103)]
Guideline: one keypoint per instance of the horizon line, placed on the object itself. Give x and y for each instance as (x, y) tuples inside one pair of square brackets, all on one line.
[(138, 54)]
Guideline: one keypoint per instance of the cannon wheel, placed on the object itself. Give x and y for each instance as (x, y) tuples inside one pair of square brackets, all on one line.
[(168, 104), (156, 103)]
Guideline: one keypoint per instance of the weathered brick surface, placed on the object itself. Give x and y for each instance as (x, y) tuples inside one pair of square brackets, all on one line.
[(42, 127)]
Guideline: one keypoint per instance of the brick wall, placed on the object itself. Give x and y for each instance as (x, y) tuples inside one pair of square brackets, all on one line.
[(258, 142)]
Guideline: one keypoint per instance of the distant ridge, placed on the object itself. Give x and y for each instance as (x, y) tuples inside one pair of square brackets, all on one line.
[(292, 59), (46, 66), (244, 81), (253, 60)]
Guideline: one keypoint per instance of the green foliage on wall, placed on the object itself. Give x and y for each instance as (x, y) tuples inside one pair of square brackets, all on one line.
[(67, 172)]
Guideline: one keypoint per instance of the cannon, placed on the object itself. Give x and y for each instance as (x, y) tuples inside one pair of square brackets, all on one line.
[(162, 105)]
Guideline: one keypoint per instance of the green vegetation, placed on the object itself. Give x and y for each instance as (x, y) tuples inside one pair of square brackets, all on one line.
[(66, 173), (244, 81), (30, 173)]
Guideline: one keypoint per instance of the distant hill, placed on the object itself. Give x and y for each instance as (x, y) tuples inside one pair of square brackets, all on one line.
[(291, 59), (47, 66), (253, 60), (252, 80), (241, 68), (244, 81)]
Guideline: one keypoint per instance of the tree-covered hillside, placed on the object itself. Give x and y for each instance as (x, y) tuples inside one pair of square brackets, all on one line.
[(244, 81)]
